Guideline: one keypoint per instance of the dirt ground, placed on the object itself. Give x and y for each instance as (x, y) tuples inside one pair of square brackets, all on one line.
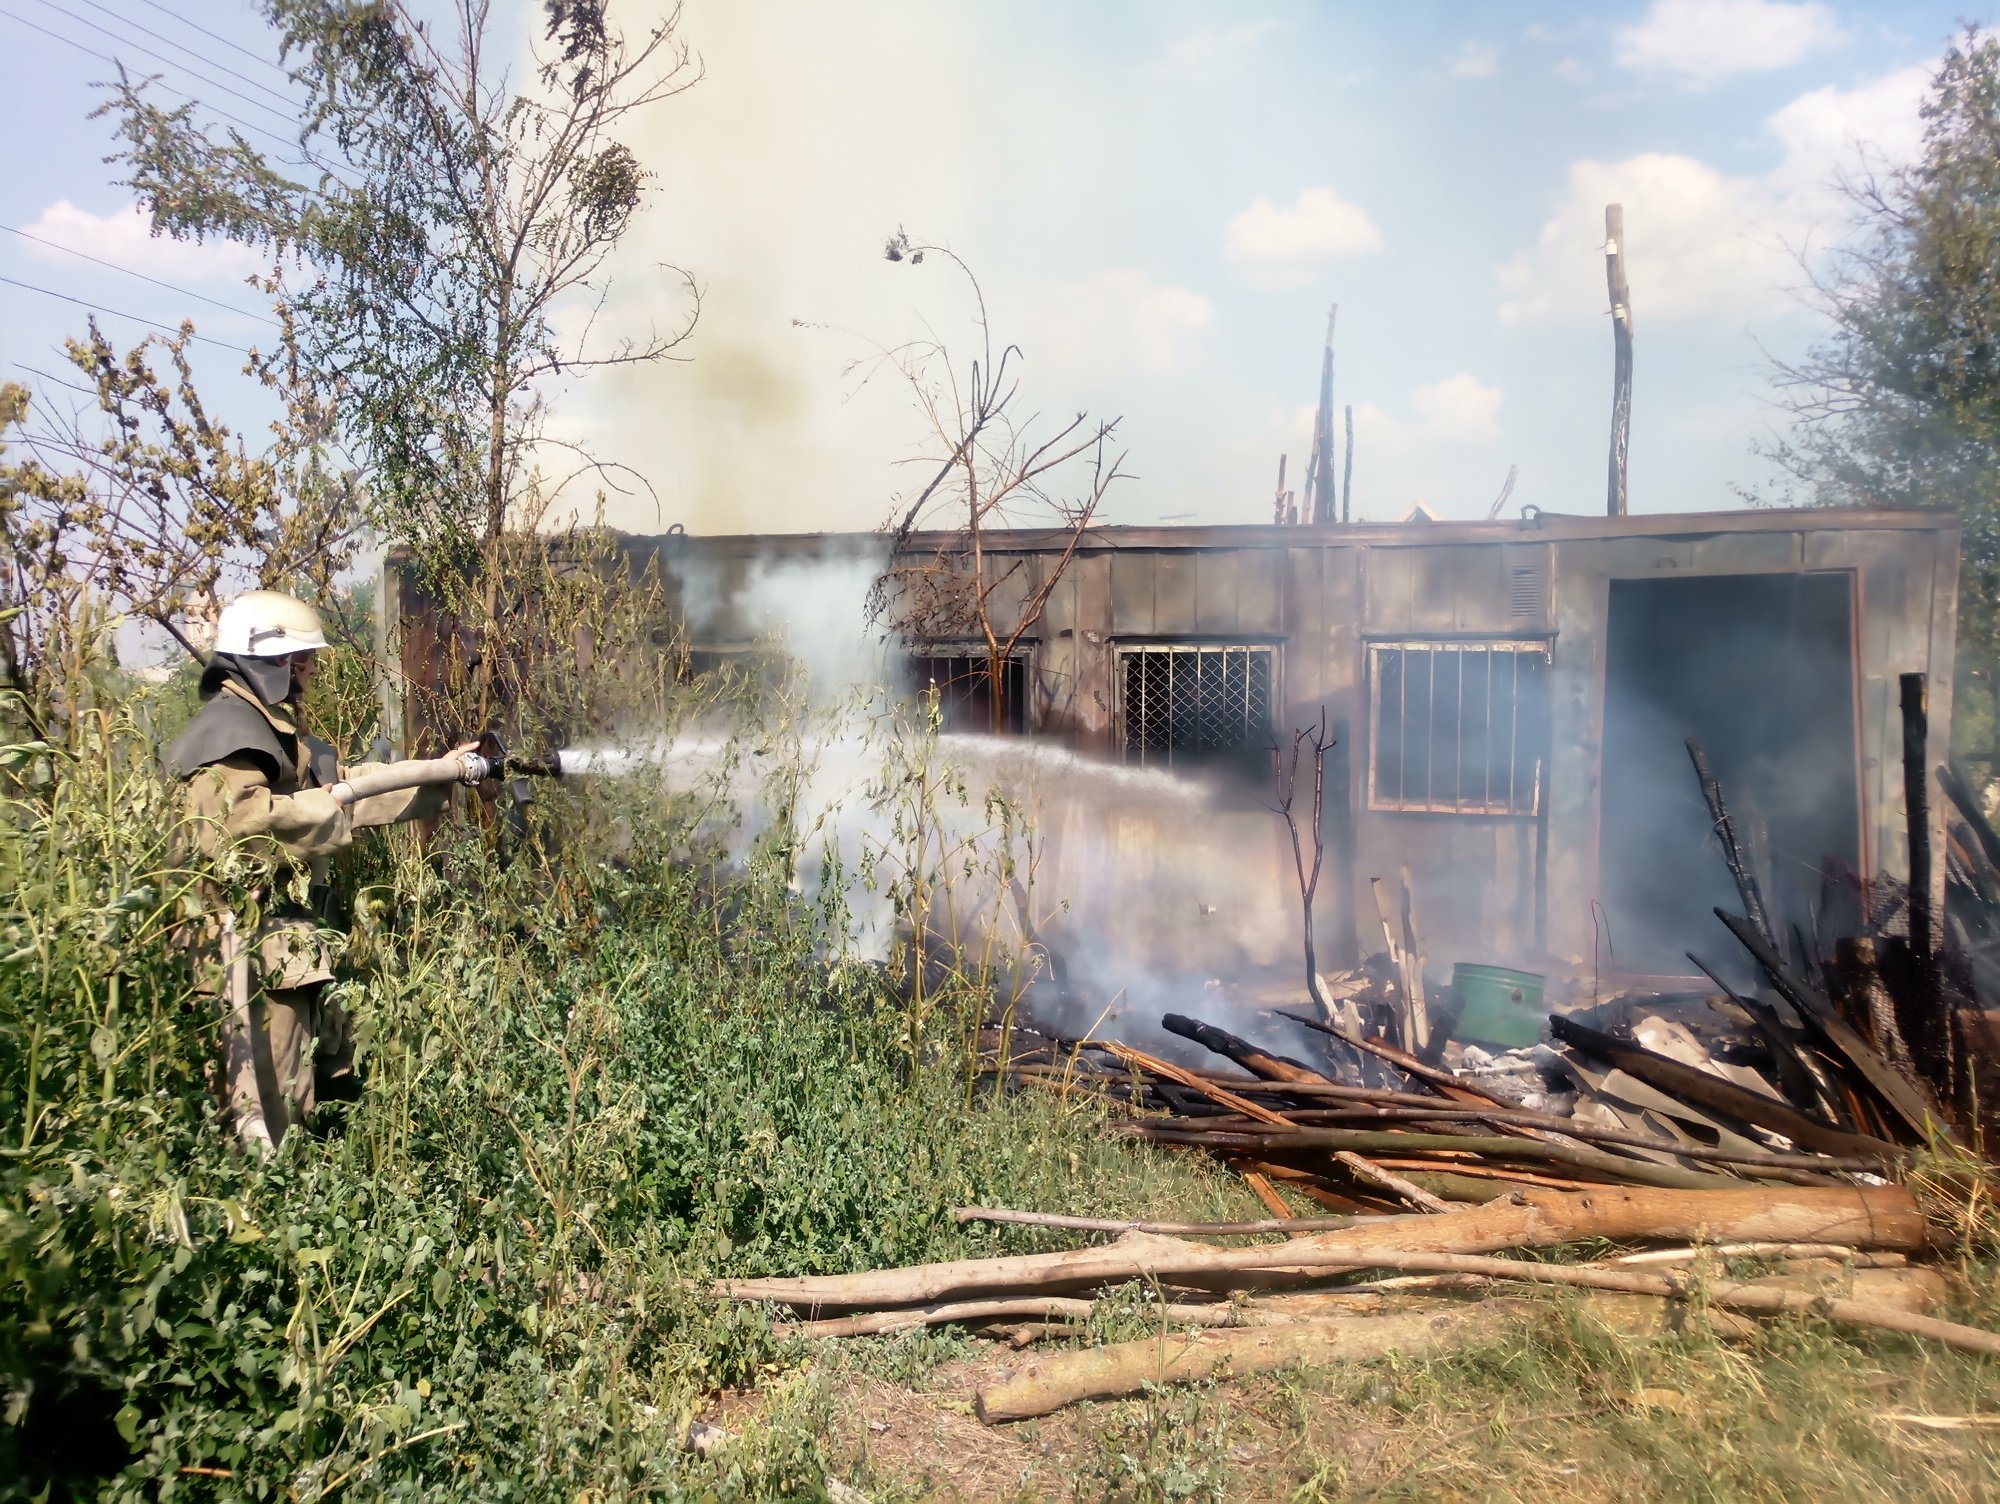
[(1557, 1414)]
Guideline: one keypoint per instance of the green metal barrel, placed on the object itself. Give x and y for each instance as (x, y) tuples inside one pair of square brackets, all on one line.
[(1499, 1006)]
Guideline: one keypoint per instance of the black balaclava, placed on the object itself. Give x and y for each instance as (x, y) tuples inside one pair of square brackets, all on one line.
[(269, 679)]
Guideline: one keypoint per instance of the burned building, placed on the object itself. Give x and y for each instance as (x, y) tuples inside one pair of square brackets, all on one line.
[(1509, 701)]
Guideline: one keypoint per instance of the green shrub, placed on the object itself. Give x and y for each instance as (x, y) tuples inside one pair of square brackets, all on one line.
[(592, 1086)]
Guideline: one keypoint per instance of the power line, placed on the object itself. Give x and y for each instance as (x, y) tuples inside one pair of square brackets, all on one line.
[(37, 371), (255, 57), (161, 58), (104, 57), (116, 314), (170, 287), (205, 61)]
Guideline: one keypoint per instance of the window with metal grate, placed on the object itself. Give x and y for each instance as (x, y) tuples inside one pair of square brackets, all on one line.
[(1458, 727), (1193, 704), (963, 683)]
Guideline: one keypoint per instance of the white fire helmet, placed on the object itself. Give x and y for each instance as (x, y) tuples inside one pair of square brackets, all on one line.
[(267, 624)]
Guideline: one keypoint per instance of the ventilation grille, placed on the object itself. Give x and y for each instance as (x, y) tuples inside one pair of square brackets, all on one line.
[(1524, 592)]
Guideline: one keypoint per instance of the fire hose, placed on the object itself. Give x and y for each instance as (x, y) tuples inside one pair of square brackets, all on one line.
[(490, 759)]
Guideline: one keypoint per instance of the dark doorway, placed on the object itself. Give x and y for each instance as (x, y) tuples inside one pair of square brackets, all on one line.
[(1760, 670)]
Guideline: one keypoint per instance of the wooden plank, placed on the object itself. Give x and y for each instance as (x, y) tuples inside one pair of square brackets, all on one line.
[(1216, 576), (1173, 592), (1132, 594), (1260, 592), (1090, 695), (1576, 742), (1713, 1093), (1820, 1014)]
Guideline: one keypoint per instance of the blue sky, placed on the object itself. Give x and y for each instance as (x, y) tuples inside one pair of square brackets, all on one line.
[(1161, 200)]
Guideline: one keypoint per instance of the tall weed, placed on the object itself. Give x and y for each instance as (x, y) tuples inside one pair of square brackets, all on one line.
[(596, 1078)]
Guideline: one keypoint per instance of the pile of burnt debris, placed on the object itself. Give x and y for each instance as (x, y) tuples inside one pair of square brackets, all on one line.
[(1866, 1040), (1752, 1151)]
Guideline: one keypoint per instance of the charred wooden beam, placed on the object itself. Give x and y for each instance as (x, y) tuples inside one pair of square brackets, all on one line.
[(1898, 1093), (1732, 847), (1713, 1094), (1917, 811), (1232, 1047), (1956, 789)]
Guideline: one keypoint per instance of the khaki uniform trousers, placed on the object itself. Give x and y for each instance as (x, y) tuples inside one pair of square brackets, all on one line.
[(284, 1050)]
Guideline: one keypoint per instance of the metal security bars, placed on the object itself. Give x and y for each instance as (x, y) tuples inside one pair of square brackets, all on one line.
[(965, 692), (1458, 727), (1190, 704)]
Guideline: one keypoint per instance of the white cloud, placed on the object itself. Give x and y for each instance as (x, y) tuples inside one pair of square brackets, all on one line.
[(1571, 70), (1703, 242), (1116, 321), (125, 238), (1829, 130), (1702, 42), (1285, 244), (1460, 409), (1476, 60), (1211, 50), (1691, 236)]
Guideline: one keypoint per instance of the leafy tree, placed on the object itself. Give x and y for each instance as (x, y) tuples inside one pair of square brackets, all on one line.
[(1899, 406), (994, 469), (449, 230), (138, 503)]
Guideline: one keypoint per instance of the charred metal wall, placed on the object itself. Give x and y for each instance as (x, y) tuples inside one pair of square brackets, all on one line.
[(1502, 886)]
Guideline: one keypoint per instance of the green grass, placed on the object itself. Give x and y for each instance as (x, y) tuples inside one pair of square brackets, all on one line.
[(1558, 1408), (592, 1087), (598, 1080)]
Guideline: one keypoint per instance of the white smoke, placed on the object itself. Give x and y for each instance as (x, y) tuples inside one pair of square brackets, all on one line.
[(1137, 884)]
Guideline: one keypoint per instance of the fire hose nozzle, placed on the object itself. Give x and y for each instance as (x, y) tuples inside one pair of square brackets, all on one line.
[(490, 760)]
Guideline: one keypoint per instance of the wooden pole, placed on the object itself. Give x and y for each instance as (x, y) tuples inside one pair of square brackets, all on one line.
[(1616, 501), (1347, 470), (1917, 808), (1747, 887), (1322, 493), (1346, 947), (1867, 1217), (1278, 514), (1129, 1367)]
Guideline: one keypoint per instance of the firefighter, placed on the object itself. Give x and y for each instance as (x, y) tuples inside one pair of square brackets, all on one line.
[(262, 813)]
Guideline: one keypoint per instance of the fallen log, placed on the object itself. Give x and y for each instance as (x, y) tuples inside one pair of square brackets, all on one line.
[(1415, 1195), (1261, 1187), (1258, 1062), (1405, 1145), (1838, 1253), (1442, 1081), (1153, 1065), (1483, 1183), (1587, 1132), (966, 1214), (945, 1313), (1885, 1217), (1050, 1383)]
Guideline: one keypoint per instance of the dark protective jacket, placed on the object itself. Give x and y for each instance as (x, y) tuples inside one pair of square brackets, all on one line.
[(253, 720), (258, 787)]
